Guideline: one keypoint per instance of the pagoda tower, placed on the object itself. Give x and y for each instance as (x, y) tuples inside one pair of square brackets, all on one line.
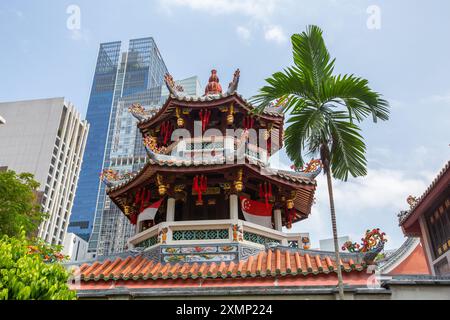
[(208, 182)]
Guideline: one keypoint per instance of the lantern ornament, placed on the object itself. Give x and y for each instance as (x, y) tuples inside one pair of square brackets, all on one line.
[(127, 210), (162, 188), (265, 192), (180, 120), (290, 204), (238, 184), (200, 185), (230, 116)]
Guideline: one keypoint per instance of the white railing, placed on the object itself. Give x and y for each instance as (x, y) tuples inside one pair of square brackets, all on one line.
[(224, 146), (211, 232)]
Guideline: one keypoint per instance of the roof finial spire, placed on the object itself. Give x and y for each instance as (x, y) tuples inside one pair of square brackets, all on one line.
[(213, 86)]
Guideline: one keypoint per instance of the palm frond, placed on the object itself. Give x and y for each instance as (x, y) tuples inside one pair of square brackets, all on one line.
[(355, 94), (305, 124), (282, 85), (347, 148), (311, 56)]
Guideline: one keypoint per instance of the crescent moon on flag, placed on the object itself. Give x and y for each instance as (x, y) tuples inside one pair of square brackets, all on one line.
[(246, 204)]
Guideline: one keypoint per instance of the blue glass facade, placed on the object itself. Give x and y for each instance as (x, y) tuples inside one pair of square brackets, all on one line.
[(98, 115), (120, 80)]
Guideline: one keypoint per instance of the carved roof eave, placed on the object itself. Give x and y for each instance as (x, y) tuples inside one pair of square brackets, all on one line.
[(442, 181), (304, 186), (293, 180), (208, 101)]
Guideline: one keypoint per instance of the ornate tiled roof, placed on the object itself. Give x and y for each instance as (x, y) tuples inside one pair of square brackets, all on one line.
[(168, 161), (268, 111), (404, 215), (267, 263)]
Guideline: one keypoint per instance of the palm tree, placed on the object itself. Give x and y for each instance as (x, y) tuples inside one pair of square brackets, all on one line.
[(324, 111)]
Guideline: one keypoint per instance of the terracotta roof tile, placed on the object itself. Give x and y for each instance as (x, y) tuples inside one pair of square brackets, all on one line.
[(298, 263), (308, 263), (270, 263)]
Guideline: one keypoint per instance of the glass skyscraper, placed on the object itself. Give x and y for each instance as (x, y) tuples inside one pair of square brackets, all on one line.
[(135, 75)]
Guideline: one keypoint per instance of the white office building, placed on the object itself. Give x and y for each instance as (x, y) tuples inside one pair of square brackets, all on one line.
[(75, 248), (47, 138), (328, 244)]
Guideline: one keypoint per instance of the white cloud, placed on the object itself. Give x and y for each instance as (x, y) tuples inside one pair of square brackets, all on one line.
[(243, 33), (19, 14), (260, 12), (258, 9), (437, 98), (275, 34), (368, 202), (79, 35)]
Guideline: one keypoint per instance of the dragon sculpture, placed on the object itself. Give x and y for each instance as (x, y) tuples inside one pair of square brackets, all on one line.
[(412, 201), (312, 169), (154, 152), (176, 90), (372, 244), (138, 111), (112, 177), (233, 86)]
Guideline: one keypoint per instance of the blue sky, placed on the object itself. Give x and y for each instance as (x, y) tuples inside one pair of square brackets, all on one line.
[(406, 60)]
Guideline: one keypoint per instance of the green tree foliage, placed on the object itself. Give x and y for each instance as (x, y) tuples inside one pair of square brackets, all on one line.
[(30, 271), (19, 206)]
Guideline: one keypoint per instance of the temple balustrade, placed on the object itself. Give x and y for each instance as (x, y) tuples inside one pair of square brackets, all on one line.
[(211, 232), (214, 147)]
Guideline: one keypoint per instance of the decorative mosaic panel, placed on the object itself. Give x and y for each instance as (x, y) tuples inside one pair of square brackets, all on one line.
[(200, 258), (205, 253), (148, 243), (246, 252), (218, 234), (205, 146), (256, 238)]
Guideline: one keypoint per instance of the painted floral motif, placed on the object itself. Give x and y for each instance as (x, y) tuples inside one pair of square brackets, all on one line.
[(238, 233), (163, 236), (171, 250), (306, 243), (199, 250), (175, 258), (210, 257), (228, 249)]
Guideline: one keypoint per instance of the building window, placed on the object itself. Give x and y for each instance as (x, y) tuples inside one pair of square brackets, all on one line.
[(438, 222), (442, 268)]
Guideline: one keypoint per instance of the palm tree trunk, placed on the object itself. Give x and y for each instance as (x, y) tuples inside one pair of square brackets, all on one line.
[(335, 236)]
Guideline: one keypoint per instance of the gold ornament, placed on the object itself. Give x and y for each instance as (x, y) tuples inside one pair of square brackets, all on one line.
[(290, 204), (238, 184), (162, 188), (230, 117), (180, 120)]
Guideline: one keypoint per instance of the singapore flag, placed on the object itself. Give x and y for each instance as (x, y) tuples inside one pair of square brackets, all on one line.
[(257, 212), (150, 212)]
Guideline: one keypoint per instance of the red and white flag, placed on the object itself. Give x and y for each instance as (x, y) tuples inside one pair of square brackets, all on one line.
[(149, 212), (257, 212)]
